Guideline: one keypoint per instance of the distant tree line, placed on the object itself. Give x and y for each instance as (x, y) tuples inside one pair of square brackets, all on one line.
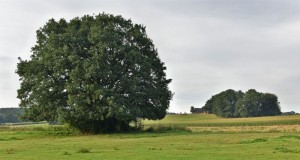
[(196, 110), (231, 103), (289, 113), (10, 115)]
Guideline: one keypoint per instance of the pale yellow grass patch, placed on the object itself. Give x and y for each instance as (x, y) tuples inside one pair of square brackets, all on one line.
[(243, 129)]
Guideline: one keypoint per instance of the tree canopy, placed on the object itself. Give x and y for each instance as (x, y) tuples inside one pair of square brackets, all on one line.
[(232, 103), (97, 73)]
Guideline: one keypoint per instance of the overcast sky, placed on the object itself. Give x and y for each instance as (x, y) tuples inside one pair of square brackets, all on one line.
[(208, 46)]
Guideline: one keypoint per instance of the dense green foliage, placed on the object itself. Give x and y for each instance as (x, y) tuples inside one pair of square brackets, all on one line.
[(97, 73), (232, 103), (10, 115)]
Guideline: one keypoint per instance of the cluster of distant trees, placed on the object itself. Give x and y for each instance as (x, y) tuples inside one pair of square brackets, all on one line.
[(10, 115), (289, 113), (196, 110), (231, 103)]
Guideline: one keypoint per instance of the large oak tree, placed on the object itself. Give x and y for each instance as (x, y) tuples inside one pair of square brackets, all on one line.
[(97, 73)]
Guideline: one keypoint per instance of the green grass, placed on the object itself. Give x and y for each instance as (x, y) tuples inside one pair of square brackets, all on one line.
[(155, 146), (164, 142)]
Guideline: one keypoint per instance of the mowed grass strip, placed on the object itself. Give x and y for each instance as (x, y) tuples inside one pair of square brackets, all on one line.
[(248, 129), (208, 120)]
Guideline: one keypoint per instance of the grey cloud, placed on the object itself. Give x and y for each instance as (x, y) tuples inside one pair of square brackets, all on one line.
[(208, 45), (254, 10), (7, 61)]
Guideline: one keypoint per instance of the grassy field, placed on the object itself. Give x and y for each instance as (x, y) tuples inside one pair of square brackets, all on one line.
[(177, 137)]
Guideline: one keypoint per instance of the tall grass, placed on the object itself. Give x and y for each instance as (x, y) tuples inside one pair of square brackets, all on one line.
[(44, 129)]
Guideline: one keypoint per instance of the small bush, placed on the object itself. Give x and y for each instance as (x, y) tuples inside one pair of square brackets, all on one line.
[(286, 150), (258, 140), (10, 151), (163, 129), (289, 137), (185, 148), (66, 153), (84, 150), (153, 148), (116, 148)]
